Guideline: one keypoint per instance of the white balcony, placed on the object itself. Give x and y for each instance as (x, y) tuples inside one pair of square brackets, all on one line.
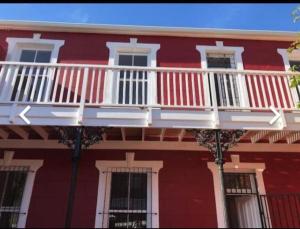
[(99, 95)]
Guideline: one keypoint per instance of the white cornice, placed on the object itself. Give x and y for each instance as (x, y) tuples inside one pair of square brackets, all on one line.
[(149, 30)]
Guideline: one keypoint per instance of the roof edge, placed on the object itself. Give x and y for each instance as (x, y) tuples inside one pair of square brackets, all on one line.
[(149, 30)]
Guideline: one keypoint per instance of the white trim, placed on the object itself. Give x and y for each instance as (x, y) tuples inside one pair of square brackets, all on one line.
[(237, 51), (34, 165), (128, 163), (286, 57), (149, 30), (132, 47), (234, 166), (16, 44)]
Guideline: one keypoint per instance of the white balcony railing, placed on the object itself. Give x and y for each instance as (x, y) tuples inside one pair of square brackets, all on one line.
[(99, 85)]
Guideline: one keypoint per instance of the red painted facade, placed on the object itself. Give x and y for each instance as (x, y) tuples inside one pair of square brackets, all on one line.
[(174, 52), (186, 191), (185, 184)]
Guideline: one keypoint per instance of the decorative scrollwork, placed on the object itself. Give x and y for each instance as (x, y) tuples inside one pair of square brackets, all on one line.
[(208, 139), (89, 135)]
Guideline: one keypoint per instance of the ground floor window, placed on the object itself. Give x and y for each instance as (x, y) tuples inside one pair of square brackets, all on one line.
[(128, 193), (12, 184), (129, 198), (242, 200)]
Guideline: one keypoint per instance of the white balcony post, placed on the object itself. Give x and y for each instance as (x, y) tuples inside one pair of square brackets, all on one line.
[(6, 83), (152, 88), (83, 95), (206, 80), (214, 99), (242, 90), (108, 87), (49, 83)]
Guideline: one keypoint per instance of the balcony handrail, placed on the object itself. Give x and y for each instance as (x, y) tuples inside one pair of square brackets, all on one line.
[(157, 69)]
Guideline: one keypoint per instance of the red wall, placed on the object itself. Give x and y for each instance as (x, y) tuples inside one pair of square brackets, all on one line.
[(186, 194), (174, 52)]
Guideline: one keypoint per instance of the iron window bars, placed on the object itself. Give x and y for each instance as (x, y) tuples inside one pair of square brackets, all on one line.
[(12, 184), (128, 198)]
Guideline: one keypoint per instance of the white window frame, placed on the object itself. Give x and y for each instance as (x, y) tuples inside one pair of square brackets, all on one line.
[(104, 185), (237, 167), (33, 165), (286, 57), (17, 44), (237, 51), (132, 47)]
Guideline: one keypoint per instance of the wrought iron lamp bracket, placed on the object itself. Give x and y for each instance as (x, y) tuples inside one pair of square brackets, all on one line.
[(212, 139), (88, 136)]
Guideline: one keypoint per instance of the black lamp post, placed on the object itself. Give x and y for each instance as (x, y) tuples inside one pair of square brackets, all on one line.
[(219, 141), (77, 138)]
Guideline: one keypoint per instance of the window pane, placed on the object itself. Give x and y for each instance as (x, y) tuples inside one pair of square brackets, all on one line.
[(14, 188), (126, 60), (119, 191), (140, 61), (43, 57), (138, 191), (213, 62), (27, 56)]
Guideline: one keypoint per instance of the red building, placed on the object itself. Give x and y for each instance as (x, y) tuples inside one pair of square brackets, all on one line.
[(147, 88)]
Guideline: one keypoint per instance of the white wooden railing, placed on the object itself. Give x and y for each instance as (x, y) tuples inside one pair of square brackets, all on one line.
[(102, 85)]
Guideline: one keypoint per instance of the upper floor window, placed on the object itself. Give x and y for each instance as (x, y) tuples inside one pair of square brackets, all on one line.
[(230, 88), (289, 60), (220, 60), (37, 56), (17, 46), (130, 86), (29, 75), (225, 84), (30, 83)]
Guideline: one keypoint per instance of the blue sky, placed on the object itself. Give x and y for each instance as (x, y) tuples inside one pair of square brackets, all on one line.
[(216, 15)]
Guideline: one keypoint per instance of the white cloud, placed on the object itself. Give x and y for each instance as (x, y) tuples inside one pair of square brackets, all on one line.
[(78, 15)]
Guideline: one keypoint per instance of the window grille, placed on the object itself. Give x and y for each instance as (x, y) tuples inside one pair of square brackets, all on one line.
[(12, 184), (128, 198), (242, 200)]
